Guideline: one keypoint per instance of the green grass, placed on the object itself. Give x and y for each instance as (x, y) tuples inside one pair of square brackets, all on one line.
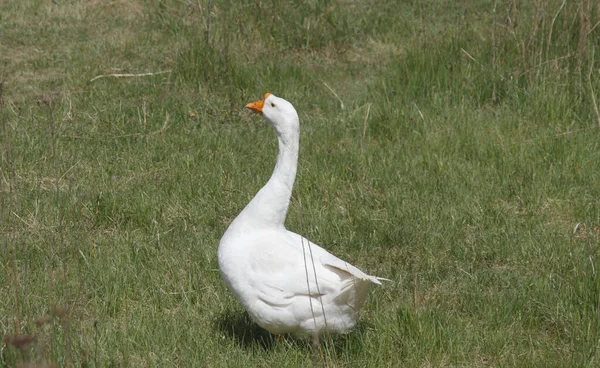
[(452, 148)]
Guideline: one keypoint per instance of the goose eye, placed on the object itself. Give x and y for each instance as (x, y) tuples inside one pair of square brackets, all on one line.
[(272, 104)]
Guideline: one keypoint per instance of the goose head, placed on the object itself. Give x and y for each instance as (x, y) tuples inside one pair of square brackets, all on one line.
[(278, 112)]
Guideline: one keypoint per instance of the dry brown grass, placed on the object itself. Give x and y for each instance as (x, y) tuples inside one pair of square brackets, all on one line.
[(127, 9), (30, 68)]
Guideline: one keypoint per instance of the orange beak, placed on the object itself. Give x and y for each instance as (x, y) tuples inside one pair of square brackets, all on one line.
[(258, 105)]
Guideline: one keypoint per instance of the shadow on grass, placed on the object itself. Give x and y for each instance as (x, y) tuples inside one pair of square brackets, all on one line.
[(237, 325)]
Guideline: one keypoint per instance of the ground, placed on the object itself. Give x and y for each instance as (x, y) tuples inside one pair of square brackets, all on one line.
[(452, 148)]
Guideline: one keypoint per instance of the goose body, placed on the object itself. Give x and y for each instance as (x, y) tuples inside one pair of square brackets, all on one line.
[(285, 282)]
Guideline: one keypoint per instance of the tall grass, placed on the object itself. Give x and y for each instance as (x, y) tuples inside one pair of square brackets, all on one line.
[(451, 147)]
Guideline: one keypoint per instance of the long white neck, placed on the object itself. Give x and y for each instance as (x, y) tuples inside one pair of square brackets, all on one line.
[(269, 207)]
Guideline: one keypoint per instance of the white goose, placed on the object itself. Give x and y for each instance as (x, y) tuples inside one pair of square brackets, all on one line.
[(286, 283)]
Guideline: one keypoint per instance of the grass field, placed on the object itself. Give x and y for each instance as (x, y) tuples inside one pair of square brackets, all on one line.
[(453, 147)]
